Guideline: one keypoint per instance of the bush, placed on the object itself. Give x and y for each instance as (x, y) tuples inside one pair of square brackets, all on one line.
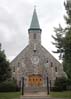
[(60, 84), (9, 86), (69, 84)]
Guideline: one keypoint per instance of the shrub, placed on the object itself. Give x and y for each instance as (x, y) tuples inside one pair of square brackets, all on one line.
[(60, 84), (69, 84), (9, 86)]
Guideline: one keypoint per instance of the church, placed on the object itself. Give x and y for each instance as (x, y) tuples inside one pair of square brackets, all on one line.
[(34, 62)]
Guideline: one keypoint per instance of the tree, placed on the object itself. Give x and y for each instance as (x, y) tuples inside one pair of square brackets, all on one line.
[(67, 55), (5, 71), (64, 40), (58, 41), (67, 40)]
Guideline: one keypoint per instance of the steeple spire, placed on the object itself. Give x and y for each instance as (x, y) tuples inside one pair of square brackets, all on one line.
[(34, 23)]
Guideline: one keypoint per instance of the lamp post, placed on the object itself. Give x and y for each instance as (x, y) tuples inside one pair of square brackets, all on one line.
[(22, 85), (47, 85), (22, 76), (47, 79)]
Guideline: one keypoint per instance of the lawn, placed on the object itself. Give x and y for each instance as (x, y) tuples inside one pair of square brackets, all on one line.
[(16, 95), (65, 94), (10, 95)]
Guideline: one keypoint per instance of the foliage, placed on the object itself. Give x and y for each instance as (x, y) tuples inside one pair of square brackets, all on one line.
[(5, 71), (9, 86), (63, 40), (67, 41), (60, 84), (59, 41)]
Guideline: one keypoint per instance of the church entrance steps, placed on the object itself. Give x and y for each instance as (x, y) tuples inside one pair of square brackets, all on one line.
[(35, 90), (37, 95)]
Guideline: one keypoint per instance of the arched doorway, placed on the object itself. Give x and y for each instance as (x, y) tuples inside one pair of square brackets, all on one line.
[(35, 80)]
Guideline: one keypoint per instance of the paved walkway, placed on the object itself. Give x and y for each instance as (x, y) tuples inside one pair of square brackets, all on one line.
[(36, 95)]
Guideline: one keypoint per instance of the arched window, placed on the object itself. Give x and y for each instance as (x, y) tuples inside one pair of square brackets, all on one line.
[(14, 69), (55, 69), (51, 64), (47, 61), (18, 64)]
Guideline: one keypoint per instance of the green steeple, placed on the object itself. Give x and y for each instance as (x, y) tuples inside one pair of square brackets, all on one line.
[(34, 23)]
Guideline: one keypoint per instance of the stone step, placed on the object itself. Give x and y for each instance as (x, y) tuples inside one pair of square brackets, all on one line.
[(32, 89), (38, 95), (35, 97)]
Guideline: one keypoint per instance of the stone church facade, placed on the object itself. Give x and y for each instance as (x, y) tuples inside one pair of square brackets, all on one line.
[(35, 63)]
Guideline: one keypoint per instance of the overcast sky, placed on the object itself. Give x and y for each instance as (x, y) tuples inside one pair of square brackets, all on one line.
[(15, 19)]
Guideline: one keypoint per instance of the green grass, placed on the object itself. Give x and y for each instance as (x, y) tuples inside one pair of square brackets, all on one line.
[(65, 94), (16, 95), (10, 95)]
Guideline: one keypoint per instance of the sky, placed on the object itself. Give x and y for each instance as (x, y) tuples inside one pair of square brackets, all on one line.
[(15, 20)]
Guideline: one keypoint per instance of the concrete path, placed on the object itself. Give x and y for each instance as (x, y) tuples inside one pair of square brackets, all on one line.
[(39, 95), (36, 94)]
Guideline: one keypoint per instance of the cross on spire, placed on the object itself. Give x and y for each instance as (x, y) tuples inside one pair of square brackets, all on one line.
[(34, 6)]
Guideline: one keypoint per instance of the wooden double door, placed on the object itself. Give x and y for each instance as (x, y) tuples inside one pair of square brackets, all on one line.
[(35, 80)]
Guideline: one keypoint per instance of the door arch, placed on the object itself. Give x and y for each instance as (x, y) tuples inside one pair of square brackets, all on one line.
[(35, 80)]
